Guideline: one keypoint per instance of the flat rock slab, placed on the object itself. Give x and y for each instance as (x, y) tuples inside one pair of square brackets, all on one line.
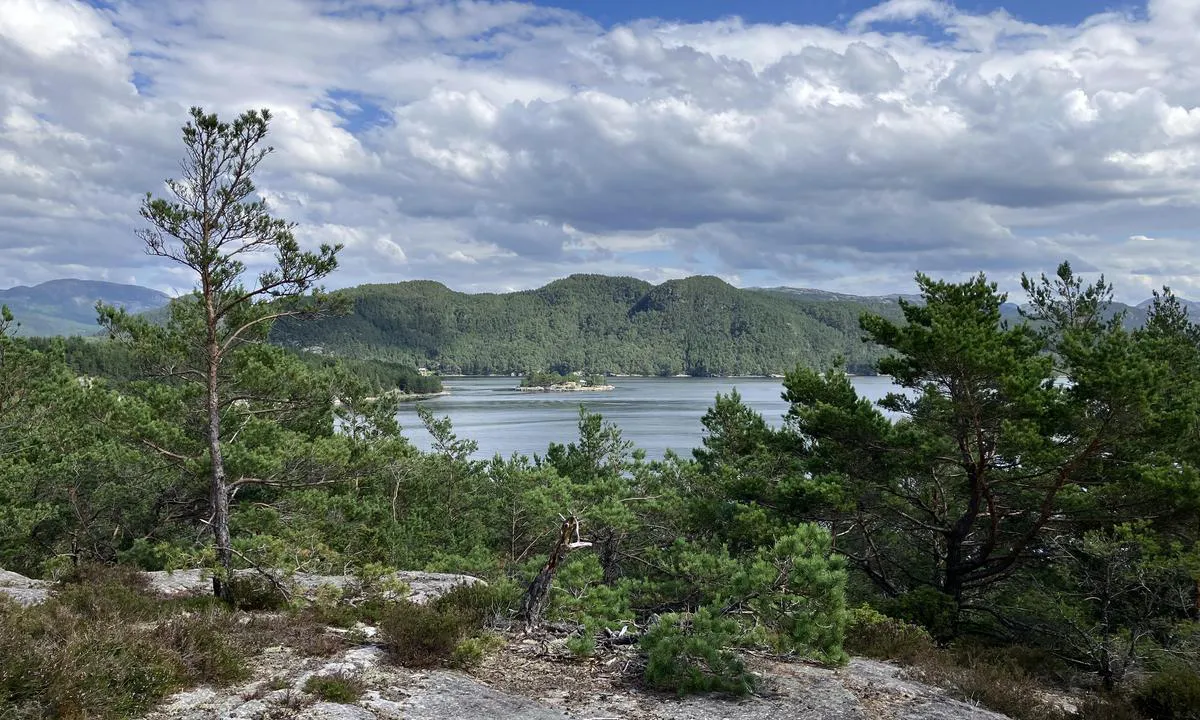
[(25, 591), (424, 586), (394, 693), (334, 711), (863, 690), (443, 695)]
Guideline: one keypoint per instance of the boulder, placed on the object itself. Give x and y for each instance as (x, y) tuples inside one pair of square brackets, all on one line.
[(25, 591)]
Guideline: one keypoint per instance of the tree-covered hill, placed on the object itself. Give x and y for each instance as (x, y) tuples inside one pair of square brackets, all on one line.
[(698, 326)]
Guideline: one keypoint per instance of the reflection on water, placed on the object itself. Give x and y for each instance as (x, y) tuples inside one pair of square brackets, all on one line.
[(654, 413)]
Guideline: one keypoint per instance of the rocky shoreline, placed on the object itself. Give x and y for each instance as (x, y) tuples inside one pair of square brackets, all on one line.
[(566, 387)]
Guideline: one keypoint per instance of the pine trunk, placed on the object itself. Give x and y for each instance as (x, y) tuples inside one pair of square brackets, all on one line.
[(220, 489)]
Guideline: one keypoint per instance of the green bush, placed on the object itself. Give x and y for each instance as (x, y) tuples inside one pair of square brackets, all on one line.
[(798, 588), (336, 688), (875, 635), (97, 591), (582, 645), (253, 592), (420, 636), (342, 613), (687, 654), (1170, 695), (477, 604), (471, 651)]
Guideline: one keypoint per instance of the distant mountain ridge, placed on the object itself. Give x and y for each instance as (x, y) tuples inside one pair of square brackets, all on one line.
[(596, 323), (67, 306), (699, 325), (829, 295)]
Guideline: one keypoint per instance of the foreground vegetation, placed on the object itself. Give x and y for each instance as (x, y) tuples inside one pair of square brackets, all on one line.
[(1033, 513)]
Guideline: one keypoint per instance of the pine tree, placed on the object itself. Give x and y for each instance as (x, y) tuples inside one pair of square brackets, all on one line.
[(212, 226)]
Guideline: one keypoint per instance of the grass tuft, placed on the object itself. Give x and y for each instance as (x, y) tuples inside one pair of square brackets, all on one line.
[(336, 688)]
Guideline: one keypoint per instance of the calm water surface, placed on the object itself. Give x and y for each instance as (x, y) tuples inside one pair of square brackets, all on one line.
[(655, 413)]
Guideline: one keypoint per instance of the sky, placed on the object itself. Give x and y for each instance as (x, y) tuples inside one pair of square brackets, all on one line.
[(495, 146)]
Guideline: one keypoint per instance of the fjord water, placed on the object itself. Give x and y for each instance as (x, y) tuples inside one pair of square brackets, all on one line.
[(654, 413)]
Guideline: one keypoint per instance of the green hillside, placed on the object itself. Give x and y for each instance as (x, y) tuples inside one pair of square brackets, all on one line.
[(698, 326)]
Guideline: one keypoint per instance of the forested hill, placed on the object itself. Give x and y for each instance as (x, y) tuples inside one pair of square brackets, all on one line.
[(595, 323)]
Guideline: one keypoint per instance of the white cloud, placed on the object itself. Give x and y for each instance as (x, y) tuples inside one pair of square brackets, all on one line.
[(499, 144)]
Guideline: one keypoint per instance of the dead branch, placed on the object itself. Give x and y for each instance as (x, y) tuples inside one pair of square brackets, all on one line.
[(537, 596)]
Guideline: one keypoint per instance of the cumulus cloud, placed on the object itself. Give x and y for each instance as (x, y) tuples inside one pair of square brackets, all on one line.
[(494, 145)]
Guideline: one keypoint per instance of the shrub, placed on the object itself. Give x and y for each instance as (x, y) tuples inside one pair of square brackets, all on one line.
[(471, 651), (96, 591), (798, 588), (298, 631), (875, 635), (59, 663), (420, 635), (205, 648), (1004, 688), (594, 605), (377, 580), (1107, 707), (1170, 695), (253, 592), (582, 645), (343, 608), (994, 680), (687, 653), (476, 605), (94, 575), (336, 688)]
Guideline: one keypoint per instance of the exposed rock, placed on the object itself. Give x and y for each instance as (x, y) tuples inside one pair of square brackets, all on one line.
[(424, 586), (393, 693), (566, 387), (25, 591), (532, 681), (863, 690), (335, 711), (445, 695)]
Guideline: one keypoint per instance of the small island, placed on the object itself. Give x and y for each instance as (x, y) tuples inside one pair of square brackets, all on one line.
[(553, 382)]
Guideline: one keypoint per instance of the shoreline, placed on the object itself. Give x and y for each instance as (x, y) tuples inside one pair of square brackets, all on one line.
[(411, 397), (772, 376), (401, 396)]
